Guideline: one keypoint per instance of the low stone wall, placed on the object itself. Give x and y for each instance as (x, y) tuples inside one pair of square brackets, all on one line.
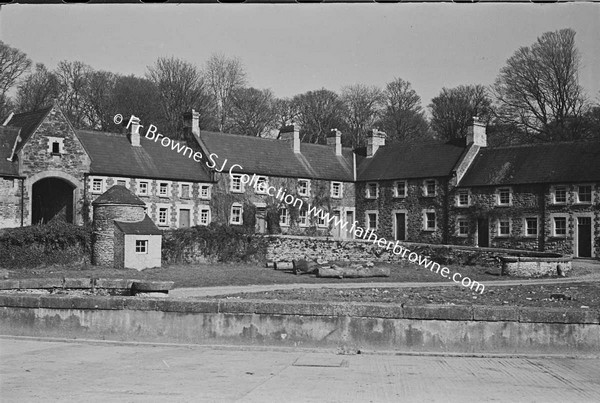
[(535, 266), (285, 248), (353, 326)]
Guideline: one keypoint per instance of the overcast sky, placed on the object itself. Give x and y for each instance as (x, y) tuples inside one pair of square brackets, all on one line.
[(293, 48)]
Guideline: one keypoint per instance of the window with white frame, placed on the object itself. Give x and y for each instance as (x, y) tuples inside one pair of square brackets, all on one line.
[(321, 220), (531, 226), (122, 182), (400, 189), (205, 191), (303, 187), (56, 145), (372, 190), (204, 216), (336, 190), (261, 185), (429, 221), (185, 192), (429, 187), (284, 217), (97, 185), (163, 189), (463, 198), (303, 218), (163, 216), (141, 246), (371, 219), (584, 194), (142, 188), (504, 196), (560, 194), (503, 227), (236, 214), (560, 226), (462, 226), (236, 185)]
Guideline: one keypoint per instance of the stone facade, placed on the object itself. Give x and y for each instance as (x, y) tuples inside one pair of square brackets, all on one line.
[(10, 202), (104, 239)]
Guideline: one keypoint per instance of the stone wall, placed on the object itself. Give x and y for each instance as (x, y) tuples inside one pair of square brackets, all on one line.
[(10, 202), (103, 241)]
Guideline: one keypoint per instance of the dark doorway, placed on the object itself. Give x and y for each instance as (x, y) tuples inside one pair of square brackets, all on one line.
[(349, 221), (52, 199), (483, 232), (584, 237), (261, 221), (400, 226), (184, 218)]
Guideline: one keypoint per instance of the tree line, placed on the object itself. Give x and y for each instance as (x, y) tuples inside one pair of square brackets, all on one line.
[(536, 97)]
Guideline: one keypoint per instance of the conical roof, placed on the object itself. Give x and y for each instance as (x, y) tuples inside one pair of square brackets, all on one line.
[(118, 195)]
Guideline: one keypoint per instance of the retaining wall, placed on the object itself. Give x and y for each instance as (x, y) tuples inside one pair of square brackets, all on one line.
[(360, 326)]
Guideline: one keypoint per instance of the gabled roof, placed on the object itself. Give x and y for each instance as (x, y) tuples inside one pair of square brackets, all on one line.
[(536, 163), (28, 122), (113, 154), (144, 227), (402, 161), (118, 195), (277, 158), (8, 137)]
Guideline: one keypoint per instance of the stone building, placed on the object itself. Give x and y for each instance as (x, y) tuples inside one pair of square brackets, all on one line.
[(123, 234), (49, 171)]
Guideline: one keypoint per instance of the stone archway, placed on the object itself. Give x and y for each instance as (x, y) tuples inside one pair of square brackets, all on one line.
[(52, 195)]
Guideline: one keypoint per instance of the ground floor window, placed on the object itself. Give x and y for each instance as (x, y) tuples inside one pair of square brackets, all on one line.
[(236, 214), (141, 246)]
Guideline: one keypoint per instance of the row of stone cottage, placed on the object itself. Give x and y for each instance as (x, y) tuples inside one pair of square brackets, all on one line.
[(540, 197)]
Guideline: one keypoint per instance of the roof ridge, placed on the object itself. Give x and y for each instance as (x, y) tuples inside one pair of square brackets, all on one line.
[(546, 144), (41, 110)]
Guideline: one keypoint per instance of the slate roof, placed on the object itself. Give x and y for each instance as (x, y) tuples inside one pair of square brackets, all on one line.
[(118, 195), (144, 227), (8, 136), (113, 154), (28, 122), (536, 163), (273, 157), (402, 161)]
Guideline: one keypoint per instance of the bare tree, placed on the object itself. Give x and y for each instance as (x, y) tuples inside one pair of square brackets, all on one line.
[(37, 90), (223, 76), (286, 111), (539, 89), (72, 86), (319, 112), (99, 98), (181, 88), (363, 107), (403, 119), (453, 109), (13, 64), (251, 112)]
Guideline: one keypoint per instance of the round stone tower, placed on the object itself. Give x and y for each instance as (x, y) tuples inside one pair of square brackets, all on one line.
[(119, 204)]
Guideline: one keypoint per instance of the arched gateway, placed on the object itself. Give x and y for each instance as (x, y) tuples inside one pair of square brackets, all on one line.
[(53, 196)]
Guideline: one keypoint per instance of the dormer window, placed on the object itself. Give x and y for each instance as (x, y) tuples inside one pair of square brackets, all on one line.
[(56, 145)]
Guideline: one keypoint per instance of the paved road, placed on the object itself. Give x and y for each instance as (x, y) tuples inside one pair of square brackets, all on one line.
[(234, 289), (40, 370)]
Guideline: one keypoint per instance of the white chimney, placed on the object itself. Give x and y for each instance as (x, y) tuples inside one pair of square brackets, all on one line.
[(375, 139), (335, 139), (134, 131), (291, 133), (476, 133), (191, 122)]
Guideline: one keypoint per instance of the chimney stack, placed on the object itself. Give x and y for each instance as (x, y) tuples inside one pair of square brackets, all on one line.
[(291, 133), (375, 139), (476, 133), (191, 122), (335, 139), (134, 131)]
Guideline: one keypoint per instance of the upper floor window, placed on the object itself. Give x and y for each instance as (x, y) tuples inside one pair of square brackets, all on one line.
[(400, 189), (371, 220), (142, 188), (236, 214), (284, 218), (429, 188), (372, 190), (504, 196), (531, 226), (97, 185), (204, 215), (462, 198), (303, 187), (429, 221), (560, 226), (185, 191), (122, 182), (261, 185), (462, 225), (584, 194), (205, 191), (236, 184), (504, 227), (303, 218), (56, 145), (163, 189), (560, 194), (336, 190)]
